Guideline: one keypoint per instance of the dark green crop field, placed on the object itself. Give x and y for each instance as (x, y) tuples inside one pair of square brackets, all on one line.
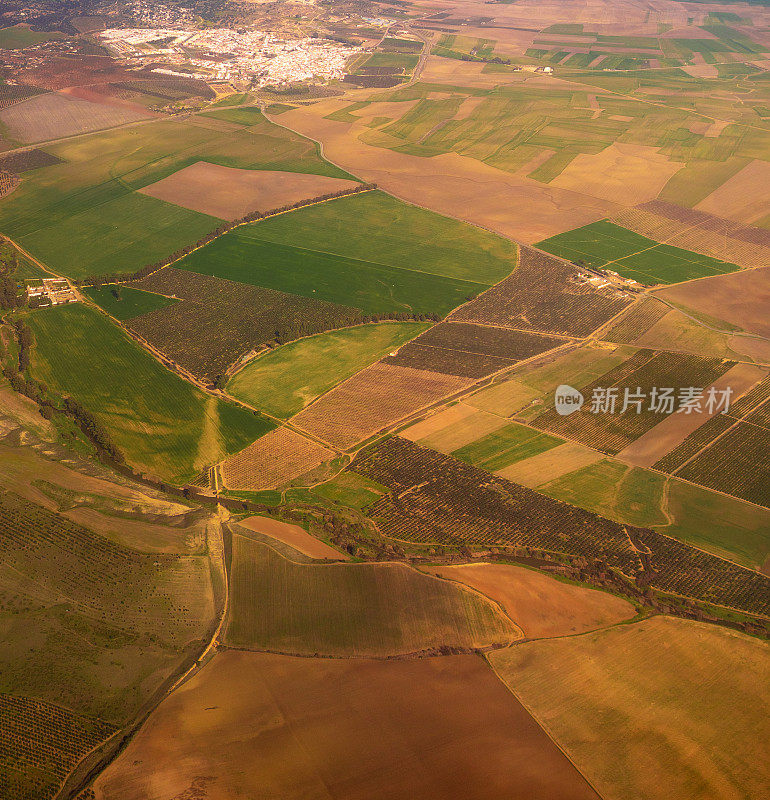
[(606, 245), (123, 302), (160, 422), (369, 251)]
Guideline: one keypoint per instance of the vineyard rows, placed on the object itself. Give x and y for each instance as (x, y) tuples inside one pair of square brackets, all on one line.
[(638, 321), (157, 593), (543, 294), (40, 743), (471, 351), (217, 321), (611, 430), (436, 499)]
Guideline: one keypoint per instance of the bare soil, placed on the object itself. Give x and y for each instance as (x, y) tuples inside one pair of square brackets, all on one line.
[(230, 193), (267, 726)]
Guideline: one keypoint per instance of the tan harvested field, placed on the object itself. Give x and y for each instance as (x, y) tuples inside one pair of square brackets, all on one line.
[(740, 298), (140, 535), (294, 536), (230, 193), (503, 398), (450, 433), (745, 197), (540, 605), (376, 398), (550, 465), (52, 116), (455, 185), (622, 173), (267, 726), (663, 709), (451, 416), (273, 460), (651, 446)]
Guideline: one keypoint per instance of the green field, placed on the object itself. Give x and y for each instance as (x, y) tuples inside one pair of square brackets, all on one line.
[(285, 380), (506, 446), (83, 216), (659, 703), (723, 525), (161, 423), (20, 36), (604, 245), (248, 116), (124, 302), (369, 251), (350, 609)]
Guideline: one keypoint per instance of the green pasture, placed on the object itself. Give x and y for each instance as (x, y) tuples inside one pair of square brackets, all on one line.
[(326, 276), (285, 380), (405, 61), (248, 116), (124, 302), (162, 424), (506, 446), (604, 245), (84, 217), (375, 227)]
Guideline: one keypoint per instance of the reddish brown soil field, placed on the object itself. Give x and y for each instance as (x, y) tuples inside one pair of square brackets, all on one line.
[(294, 536), (538, 604), (230, 193), (740, 298), (266, 726)]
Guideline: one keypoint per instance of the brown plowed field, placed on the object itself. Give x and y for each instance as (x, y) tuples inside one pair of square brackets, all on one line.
[(375, 398), (230, 193), (294, 536), (276, 458), (740, 298), (538, 604), (745, 197), (266, 726)]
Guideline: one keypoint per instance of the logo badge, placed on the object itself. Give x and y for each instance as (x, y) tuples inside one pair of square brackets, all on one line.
[(568, 400)]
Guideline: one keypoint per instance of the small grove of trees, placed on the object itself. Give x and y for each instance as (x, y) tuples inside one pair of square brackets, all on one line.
[(254, 216)]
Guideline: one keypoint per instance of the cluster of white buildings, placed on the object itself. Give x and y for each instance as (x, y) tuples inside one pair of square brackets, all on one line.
[(226, 54), (50, 292)]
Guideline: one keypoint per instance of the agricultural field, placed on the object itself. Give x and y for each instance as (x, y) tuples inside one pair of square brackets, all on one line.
[(43, 742), (137, 611), (539, 604), (273, 460), (715, 236), (124, 302), (55, 116), (160, 423), (217, 322), (414, 731), (85, 216), (698, 684), (229, 193), (605, 245), (544, 295), (358, 610), (739, 300), (506, 446), (19, 36), (613, 428), (438, 500), (298, 539), (283, 381), (375, 398), (367, 251), (470, 351)]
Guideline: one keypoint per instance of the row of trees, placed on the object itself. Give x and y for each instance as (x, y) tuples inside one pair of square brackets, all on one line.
[(254, 216)]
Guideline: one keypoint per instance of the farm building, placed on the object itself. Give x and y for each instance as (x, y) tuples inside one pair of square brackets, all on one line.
[(50, 292)]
